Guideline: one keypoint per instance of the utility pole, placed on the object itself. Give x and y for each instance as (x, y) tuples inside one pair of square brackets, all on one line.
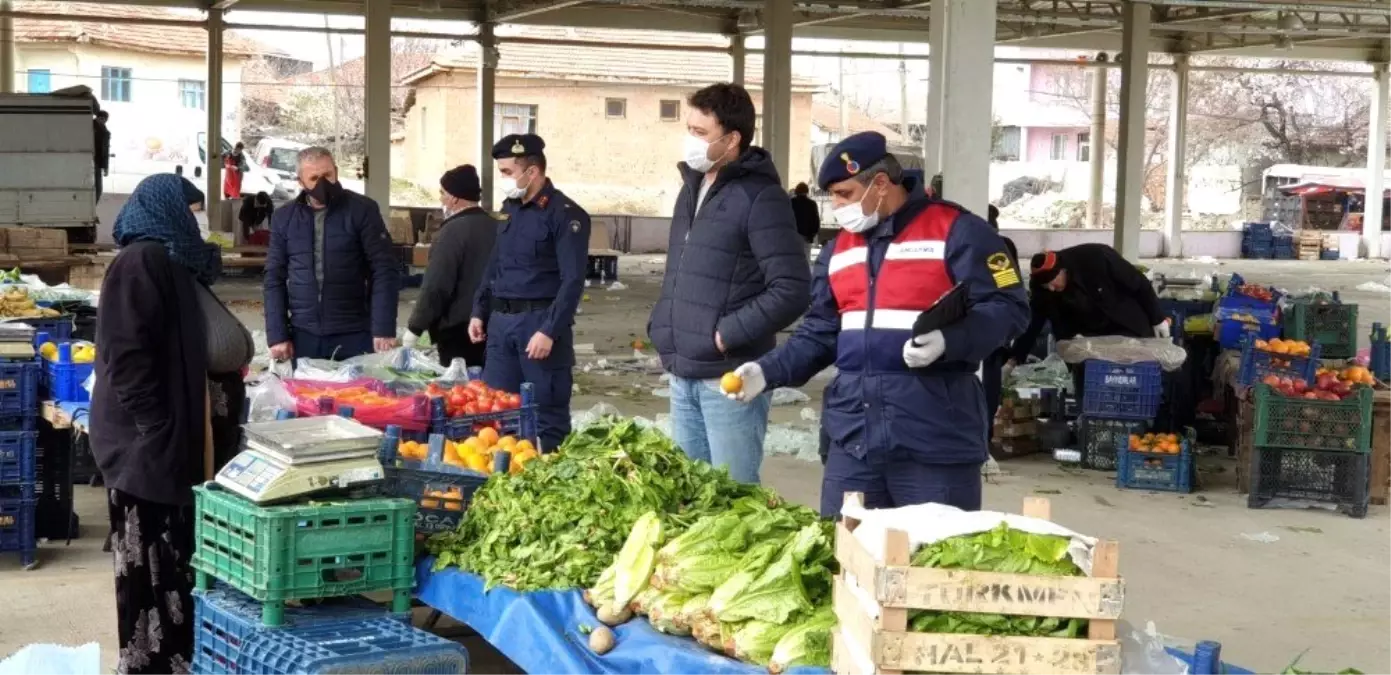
[(840, 89), (333, 82), (902, 95)]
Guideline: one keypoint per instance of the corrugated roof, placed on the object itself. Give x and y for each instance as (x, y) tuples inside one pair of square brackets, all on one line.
[(90, 29), (614, 64)]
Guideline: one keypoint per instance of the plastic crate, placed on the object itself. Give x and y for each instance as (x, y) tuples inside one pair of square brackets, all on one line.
[(17, 459), (17, 529), (59, 328), (1306, 424), (1178, 311), (1258, 363), (442, 492), (1338, 478), (225, 620), (1231, 298), (19, 388), (1122, 390), (62, 379), (355, 637), (1329, 254), (1379, 354), (308, 550), (1234, 322), (1138, 470), (602, 268), (55, 518), (1333, 325), (519, 422), (1098, 438)]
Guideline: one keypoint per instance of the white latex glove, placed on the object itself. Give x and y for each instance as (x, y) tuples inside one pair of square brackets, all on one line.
[(1162, 329), (754, 382), (409, 339), (1007, 370), (924, 350)]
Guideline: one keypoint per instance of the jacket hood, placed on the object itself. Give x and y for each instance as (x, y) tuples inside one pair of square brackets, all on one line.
[(754, 162)]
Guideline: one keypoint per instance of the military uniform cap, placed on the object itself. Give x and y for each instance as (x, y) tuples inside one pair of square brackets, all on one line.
[(851, 156), (518, 145)]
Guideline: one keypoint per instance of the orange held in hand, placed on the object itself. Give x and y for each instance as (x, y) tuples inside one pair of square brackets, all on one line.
[(731, 383)]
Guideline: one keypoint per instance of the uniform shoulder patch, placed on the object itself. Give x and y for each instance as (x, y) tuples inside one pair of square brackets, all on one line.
[(574, 226), (1002, 270)]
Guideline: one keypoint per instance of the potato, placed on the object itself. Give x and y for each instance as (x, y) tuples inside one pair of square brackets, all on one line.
[(613, 616), (601, 640)]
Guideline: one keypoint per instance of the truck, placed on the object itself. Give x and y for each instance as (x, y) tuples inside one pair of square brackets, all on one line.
[(46, 161)]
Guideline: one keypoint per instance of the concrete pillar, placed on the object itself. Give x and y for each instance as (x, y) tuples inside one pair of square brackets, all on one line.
[(1177, 179), (777, 83), (1097, 159), (377, 61), (966, 109), (737, 58), (1376, 160), (487, 99), (7, 50), (212, 188), (1130, 151), (936, 88)]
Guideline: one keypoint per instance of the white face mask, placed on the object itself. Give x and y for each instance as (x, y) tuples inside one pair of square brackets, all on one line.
[(511, 190), (696, 153), (852, 217)]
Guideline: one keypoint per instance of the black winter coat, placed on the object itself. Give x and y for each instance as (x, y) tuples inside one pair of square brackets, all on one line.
[(1113, 287), (736, 266), (808, 217), (458, 259), (152, 377)]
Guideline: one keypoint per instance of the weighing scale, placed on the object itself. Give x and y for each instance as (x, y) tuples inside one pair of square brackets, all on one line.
[(288, 459)]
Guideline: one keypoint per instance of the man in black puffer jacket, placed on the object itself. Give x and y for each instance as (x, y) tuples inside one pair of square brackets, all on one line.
[(737, 273)]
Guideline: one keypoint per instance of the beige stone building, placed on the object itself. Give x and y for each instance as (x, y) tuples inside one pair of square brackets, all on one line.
[(613, 119)]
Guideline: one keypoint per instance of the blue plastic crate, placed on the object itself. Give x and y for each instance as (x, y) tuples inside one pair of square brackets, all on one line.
[(519, 422), (1257, 363), (1122, 390), (63, 381), (229, 638), (224, 620), (1178, 311), (17, 457), (442, 492), (1139, 470), (1329, 254), (19, 388), (17, 529), (45, 330), (1380, 353), (1234, 299)]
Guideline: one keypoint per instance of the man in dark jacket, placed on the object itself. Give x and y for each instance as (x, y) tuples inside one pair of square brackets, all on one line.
[(331, 280), (458, 259), (1089, 290), (736, 274), (101, 150), (807, 213)]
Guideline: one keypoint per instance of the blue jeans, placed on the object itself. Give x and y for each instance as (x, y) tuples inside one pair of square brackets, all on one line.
[(332, 347), (709, 427)]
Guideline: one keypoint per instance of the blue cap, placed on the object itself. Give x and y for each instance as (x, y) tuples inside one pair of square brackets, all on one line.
[(518, 145), (851, 156)]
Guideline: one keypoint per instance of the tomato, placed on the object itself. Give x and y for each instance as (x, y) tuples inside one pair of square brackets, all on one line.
[(477, 385), (499, 406), (514, 401), (485, 402), (470, 408)]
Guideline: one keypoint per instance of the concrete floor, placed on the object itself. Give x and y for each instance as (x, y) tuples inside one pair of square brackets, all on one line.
[(1323, 585)]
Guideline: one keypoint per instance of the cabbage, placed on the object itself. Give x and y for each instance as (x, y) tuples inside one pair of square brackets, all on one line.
[(634, 564), (807, 644)]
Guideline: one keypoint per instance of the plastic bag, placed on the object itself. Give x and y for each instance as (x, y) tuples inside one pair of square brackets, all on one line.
[(266, 396), (324, 370), (373, 403), (54, 660), (1144, 651), (1050, 373), (1123, 350)]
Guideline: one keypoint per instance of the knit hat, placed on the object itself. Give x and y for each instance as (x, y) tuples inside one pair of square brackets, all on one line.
[(462, 182), (1043, 267)]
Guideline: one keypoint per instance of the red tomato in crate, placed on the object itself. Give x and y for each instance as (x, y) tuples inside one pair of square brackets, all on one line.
[(499, 406), (470, 408), (514, 401)]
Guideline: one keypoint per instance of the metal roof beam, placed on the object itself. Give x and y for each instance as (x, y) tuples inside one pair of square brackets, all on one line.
[(1165, 22), (521, 10)]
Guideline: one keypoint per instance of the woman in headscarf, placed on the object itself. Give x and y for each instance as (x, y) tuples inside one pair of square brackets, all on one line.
[(233, 166), (161, 333)]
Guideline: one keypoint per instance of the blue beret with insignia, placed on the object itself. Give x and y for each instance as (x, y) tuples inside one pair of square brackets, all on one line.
[(518, 145), (851, 156)]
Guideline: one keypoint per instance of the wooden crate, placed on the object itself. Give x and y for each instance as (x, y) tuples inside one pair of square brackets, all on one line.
[(896, 588)]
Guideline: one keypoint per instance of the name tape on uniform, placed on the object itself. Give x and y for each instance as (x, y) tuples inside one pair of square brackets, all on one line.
[(1002, 270), (917, 250)]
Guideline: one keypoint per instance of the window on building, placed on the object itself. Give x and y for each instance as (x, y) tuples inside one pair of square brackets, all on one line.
[(1084, 147), (513, 118), (671, 111), (193, 94), (1058, 150), (40, 81), (1007, 145), (115, 84), (615, 108)]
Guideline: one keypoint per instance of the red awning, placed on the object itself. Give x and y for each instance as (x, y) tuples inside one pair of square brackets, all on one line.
[(1328, 184)]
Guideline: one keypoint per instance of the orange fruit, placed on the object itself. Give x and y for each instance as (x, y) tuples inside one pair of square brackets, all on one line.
[(487, 436), (525, 445), (507, 443), (731, 383), (477, 463)]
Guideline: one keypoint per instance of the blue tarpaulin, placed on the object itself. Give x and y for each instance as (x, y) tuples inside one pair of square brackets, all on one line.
[(540, 631)]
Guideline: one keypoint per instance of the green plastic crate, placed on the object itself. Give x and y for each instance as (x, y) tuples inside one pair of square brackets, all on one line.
[(1332, 324), (1304, 424), (304, 551)]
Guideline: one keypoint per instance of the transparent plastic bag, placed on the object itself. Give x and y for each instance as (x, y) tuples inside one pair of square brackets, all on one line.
[(267, 396), (1123, 350), (1049, 373)]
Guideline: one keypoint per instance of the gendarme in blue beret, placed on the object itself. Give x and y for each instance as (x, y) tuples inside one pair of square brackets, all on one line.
[(518, 145), (851, 156)]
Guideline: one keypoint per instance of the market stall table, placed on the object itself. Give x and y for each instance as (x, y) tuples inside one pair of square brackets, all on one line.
[(540, 631)]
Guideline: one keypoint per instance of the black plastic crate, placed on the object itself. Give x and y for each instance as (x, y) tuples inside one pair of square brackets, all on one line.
[(1338, 478), (1098, 438), (53, 492)]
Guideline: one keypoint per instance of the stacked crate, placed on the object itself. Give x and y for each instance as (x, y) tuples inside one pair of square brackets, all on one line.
[(1308, 450), (19, 408), (1310, 246), (1257, 241), (265, 556), (1118, 399), (1326, 320)]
